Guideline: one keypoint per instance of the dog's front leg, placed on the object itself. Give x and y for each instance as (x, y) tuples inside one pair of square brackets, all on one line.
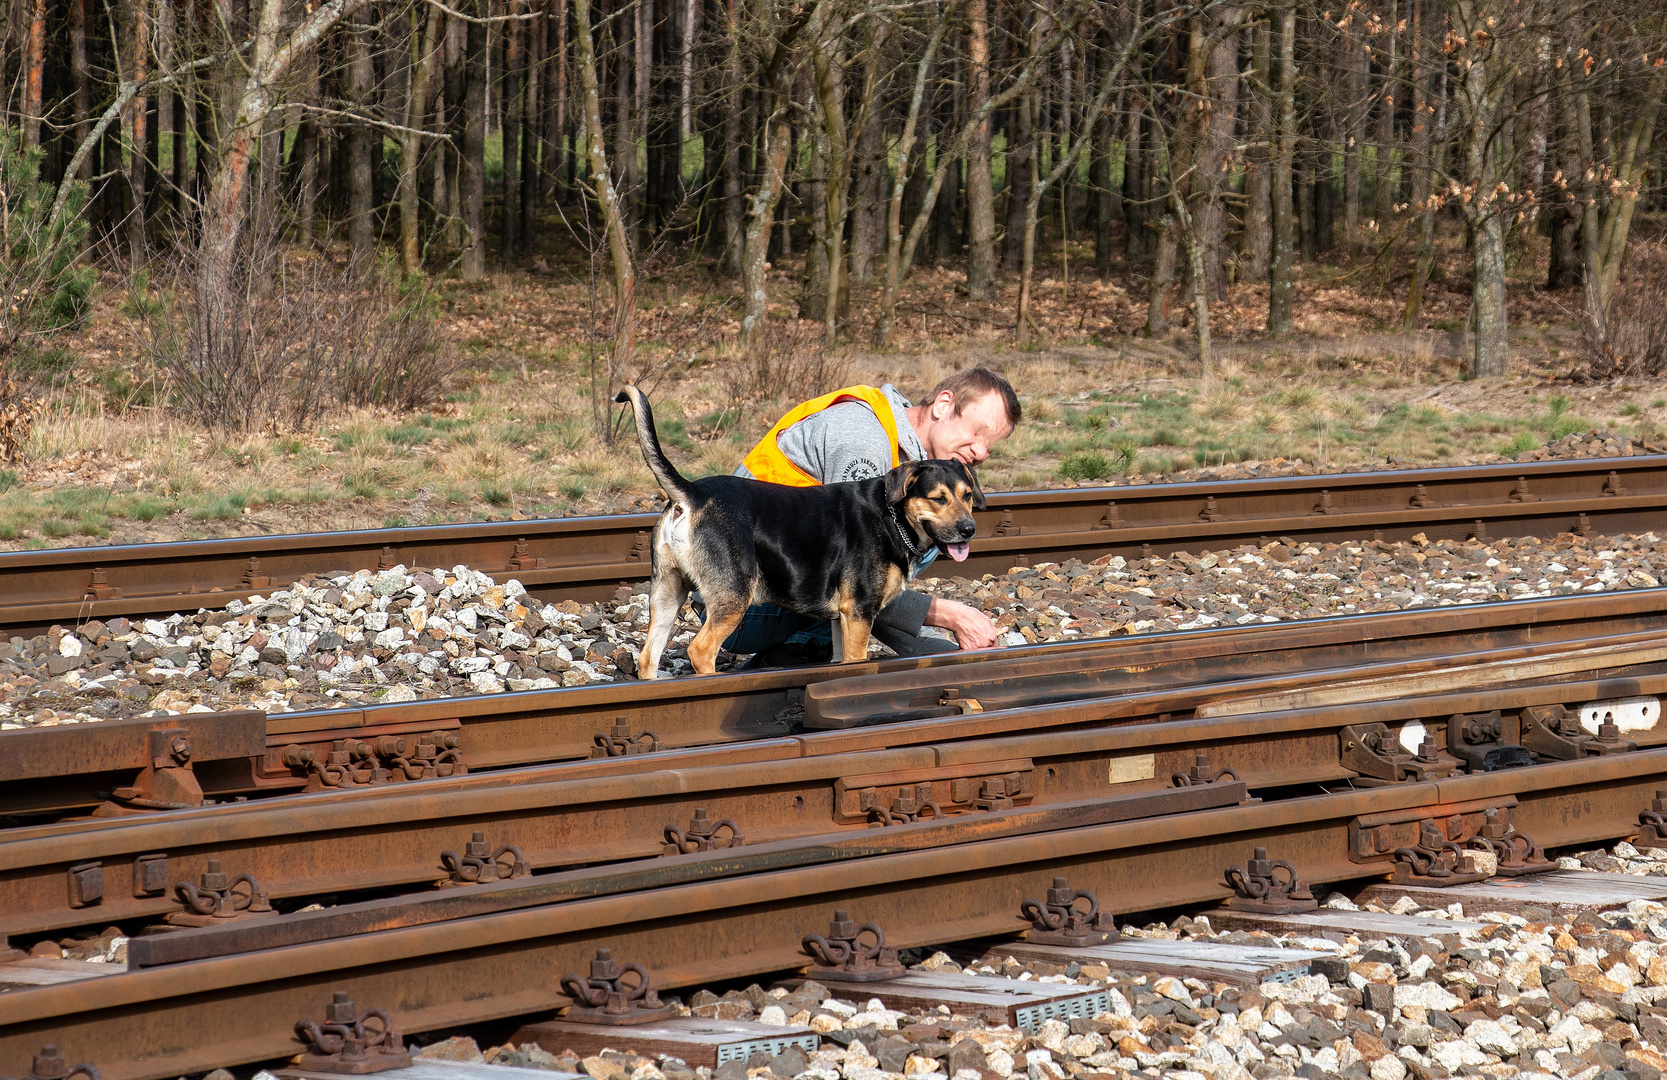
[(851, 638)]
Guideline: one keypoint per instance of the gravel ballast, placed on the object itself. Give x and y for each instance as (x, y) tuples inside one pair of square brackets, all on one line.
[(404, 635), (1536, 996)]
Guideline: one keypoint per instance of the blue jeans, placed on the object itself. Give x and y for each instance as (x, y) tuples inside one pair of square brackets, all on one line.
[(765, 626)]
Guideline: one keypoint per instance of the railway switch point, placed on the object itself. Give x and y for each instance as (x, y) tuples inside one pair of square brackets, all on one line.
[(695, 1040)]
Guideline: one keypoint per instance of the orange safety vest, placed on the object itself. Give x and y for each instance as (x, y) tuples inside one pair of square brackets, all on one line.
[(766, 461)]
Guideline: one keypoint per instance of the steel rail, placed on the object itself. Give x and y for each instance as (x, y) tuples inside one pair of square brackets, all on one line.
[(587, 558), (229, 1010), (497, 731), (621, 808)]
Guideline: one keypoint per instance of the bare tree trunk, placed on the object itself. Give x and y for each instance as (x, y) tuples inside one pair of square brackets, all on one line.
[(1281, 290), (424, 37), (1021, 149), (162, 101), (471, 183), (981, 211), (1216, 159), (1354, 136), (555, 109), (1105, 206), (1064, 166), (1134, 186), (515, 64), (813, 298), (1429, 150), (686, 58), (530, 125), (361, 145), (1256, 249), (906, 179), (1481, 90), (306, 145), (643, 68), (607, 199), (1607, 214), (138, 66), (82, 81), (225, 204), (869, 187), (731, 146), (450, 160), (1383, 180), (34, 74)]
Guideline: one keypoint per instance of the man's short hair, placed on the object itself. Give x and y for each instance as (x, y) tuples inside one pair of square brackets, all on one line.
[(970, 384)]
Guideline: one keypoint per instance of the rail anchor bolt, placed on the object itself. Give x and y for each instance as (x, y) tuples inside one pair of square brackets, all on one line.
[(1059, 920), (843, 955), (1268, 886)]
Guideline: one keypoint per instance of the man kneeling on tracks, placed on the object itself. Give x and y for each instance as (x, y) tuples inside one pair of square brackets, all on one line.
[(861, 432)]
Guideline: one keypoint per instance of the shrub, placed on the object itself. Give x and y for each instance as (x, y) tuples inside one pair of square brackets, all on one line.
[(295, 336), (1631, 340), (1088, 465)]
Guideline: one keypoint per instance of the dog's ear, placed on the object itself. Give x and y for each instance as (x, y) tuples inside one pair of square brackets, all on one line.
[(900, 479), (972, 479)]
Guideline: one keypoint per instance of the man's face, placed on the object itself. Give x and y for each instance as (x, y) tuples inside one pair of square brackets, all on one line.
[(967, 437)]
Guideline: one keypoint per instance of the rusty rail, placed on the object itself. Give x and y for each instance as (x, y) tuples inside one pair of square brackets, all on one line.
[(385, 744), (791, 788), (192, 1016), (588, 558)]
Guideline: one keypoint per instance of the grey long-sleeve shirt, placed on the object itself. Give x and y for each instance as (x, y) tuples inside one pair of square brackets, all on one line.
[(845, 442)]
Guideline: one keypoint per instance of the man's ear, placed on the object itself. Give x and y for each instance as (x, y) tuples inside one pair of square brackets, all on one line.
[(899, 479), (977, 489)]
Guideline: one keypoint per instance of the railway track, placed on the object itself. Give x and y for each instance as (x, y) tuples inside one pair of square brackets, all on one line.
[(704, 826), (76, 768), (587, 558), (495, 950)]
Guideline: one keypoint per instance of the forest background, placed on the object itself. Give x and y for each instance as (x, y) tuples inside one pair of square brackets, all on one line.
[(282, 264)]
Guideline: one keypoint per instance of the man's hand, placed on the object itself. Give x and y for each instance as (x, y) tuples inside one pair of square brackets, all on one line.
[(971, 627)]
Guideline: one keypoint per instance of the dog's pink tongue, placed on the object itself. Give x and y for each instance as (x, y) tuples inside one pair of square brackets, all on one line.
[(958, 552)]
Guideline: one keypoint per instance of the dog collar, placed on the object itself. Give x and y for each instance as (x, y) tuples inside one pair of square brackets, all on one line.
[(903, 531)]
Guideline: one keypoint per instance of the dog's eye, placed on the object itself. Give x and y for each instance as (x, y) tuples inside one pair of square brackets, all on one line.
[(940, 500)]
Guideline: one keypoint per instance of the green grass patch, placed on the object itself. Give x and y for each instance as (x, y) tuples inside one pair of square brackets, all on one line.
[(146, 508), (224, 508)]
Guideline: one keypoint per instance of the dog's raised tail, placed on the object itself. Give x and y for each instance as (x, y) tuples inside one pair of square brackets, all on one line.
[(671, 481)]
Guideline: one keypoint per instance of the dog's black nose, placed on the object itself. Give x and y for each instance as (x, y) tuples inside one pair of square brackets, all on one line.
[(966, 527)]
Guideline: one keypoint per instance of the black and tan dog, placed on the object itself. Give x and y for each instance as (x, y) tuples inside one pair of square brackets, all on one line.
[(839, 552)]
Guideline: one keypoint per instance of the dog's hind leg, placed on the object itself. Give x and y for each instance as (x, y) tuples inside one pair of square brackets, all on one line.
[(851, 638), (703, 650), (665, 599)]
